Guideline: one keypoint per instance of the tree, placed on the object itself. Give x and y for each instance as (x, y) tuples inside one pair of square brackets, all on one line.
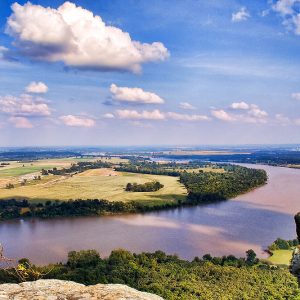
[(128, 187), (10, 186), (251, 257)]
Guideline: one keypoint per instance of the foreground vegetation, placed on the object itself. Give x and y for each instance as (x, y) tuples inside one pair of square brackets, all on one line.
[(172, 278)]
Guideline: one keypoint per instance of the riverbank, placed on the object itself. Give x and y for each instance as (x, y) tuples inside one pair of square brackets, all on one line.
[(202, 188)]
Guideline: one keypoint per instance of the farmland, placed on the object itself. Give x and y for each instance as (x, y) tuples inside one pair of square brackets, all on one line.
[(98, 183)]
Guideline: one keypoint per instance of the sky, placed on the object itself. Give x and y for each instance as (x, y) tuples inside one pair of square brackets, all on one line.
[(137, 72)]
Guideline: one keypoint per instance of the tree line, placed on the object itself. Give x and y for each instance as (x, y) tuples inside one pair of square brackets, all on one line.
[(77, 168)]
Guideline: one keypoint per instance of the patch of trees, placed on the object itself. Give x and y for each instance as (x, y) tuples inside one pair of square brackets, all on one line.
[(211, 186), (3, 164), (147, 168), (10, 209), (281, 244), (9, 186), (152, 186), (77, 168), (14, 209), (172, 278), (29, 155)]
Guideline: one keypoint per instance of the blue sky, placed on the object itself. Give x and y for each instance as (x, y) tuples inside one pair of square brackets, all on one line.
[(149, 72)]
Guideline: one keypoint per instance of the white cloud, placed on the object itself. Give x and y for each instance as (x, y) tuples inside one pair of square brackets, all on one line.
[(222, 115), (256, 112), (296, 96), (20, 122), (186, 105), (241, 15), (297, 122), (281, 119), (240, 105), (248, 113), (186, 117), (77, 38), (108, 116), (3, 50), (289, 13), (284, 7), (75, 121), (265, 12), (134, 95), (144, 115), (37, 88), (24, 105), (158, 115)]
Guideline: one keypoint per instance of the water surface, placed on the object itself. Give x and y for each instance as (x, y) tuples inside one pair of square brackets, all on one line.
[(252, 220)]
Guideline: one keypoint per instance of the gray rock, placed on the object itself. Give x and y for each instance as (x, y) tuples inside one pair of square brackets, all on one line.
[(52, 289)]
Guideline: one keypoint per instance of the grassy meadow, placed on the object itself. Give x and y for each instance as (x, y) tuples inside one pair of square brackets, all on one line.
[(281, 257), (97, 183)]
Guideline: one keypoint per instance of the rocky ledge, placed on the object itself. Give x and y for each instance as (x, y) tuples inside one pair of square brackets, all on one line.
[(67, 290)]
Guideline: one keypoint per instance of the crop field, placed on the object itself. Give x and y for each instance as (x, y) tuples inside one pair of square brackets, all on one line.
[(97, 184)]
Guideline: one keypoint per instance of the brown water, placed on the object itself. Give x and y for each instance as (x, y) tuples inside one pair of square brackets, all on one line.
[(252, 220)]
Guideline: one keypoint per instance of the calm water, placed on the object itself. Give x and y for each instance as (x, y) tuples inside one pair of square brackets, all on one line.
[(252, 220)]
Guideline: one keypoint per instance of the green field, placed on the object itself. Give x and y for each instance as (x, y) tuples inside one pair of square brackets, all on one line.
[(97, 184), (281, 257), (19, 171)]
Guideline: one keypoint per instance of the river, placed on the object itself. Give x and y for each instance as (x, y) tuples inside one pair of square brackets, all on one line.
[(252, 220)]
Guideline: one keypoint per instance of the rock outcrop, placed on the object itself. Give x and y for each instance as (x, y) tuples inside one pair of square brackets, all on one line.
[(67, 290)]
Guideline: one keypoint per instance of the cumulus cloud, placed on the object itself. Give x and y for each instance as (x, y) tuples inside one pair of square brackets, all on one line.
[(290, 14), (158, 115), (240, 105), (76, 121), (186, 117), (3, 50), (296, 96), (256, 112), (252, 112), (284, 7), (186, 105), (222, 115), (241, 15), (282, 120), (144, 115), (246, 113), (20, 122), (108, 116), (24, 105), (134, 95), (76, 37), (37, 88)]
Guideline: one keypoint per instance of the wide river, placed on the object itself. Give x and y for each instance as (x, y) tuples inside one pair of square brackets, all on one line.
[(252, 220)]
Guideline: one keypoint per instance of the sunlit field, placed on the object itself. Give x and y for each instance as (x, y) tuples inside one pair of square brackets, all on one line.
[(97, 184)]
